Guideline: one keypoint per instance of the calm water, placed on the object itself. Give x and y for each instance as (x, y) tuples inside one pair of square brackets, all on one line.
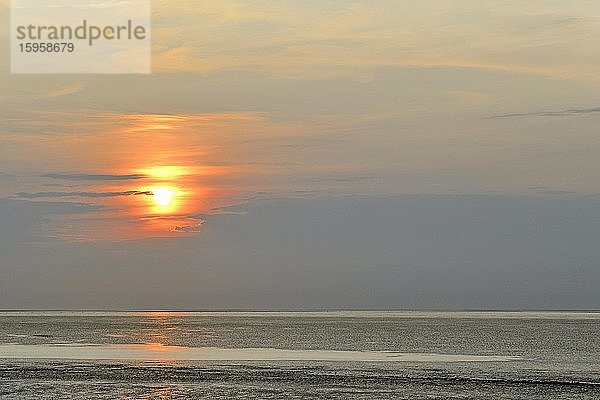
[(333, 355)]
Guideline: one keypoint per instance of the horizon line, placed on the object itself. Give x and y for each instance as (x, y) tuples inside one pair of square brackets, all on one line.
[(299, 310)]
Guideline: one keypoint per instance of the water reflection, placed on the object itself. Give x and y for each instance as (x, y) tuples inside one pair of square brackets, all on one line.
[(159, 329), (157, 393), (160, 394)]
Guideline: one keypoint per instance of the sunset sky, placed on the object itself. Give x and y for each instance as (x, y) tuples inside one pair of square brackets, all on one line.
[(309, 154)]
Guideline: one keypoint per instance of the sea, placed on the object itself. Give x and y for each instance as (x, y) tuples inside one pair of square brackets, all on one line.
[(300, 355)]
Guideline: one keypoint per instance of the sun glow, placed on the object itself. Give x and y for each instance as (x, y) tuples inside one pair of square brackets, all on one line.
[(163, 196), (165, 172)]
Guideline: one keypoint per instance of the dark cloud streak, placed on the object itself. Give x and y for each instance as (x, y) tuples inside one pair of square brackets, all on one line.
[(561, 113), (38, 195), (93, 177)]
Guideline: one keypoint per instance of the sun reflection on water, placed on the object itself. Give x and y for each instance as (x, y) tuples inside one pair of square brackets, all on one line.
[(157, 336)]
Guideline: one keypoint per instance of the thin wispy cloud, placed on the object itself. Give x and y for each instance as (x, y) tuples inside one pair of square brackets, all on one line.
[(93, 177), (42, 195), (189, 228), (305, 37), (342, 179), (65, 91), (559, 113), (545, 190)]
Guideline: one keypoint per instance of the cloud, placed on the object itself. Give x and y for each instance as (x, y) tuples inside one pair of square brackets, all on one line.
[(94, 177), (342, 179), (24, 221), (545, 190), (560, 113), (65, 91), (40, 195), (300, 38), (189, 228)]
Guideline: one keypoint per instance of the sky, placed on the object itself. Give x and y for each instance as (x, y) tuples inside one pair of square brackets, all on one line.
[(313, 154)]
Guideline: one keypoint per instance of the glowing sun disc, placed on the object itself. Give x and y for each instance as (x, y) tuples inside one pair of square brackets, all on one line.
[(162, 196)]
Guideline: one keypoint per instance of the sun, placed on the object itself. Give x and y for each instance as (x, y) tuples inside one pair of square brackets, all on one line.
[(163, 196)]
